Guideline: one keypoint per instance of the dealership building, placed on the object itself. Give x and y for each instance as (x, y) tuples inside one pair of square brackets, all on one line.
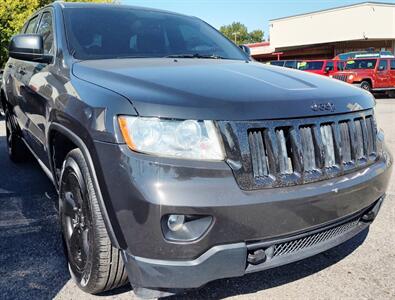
[(326, 33)]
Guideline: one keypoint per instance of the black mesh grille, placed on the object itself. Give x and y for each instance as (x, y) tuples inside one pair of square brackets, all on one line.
[(312, 240)]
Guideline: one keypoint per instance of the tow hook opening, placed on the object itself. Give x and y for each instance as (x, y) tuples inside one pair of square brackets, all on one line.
[(370, 215), (256, 257)]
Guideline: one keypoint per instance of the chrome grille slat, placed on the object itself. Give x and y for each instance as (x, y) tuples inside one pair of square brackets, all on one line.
[(329, 148), (345, 142), (284, 160), (359, 139), (306, 135), (365, 138), (258, 154), (371, 132)]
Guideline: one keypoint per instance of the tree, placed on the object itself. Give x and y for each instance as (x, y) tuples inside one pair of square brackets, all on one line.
[(13, 14), (256, 36), (238, 33)]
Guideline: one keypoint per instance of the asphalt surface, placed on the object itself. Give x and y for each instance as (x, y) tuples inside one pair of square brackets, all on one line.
[(32, 264)]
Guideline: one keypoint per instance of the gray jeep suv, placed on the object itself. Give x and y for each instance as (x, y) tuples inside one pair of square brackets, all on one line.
[(177, 158)]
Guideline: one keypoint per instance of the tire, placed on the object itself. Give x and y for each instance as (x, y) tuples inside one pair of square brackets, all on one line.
[(17, 150), (365, 85), (94, 264)]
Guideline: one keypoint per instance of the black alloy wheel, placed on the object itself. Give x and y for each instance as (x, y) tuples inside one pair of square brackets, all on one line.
[(94, 263), (365, 85), (76, 222)]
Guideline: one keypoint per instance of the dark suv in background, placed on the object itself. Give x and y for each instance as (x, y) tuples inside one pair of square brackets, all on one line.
[(179, 160)]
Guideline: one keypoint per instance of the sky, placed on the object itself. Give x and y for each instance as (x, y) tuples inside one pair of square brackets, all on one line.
[(255, 14)]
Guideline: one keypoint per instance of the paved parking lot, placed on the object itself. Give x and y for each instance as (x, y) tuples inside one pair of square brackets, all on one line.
[(32, 265)]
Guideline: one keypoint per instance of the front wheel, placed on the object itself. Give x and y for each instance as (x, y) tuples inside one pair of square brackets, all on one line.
[(365, 85), (95, 265)]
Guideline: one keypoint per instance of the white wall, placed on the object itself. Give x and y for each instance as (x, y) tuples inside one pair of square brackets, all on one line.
[(371, 21)]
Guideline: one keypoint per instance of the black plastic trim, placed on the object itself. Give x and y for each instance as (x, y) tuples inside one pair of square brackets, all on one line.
[(81, 145)]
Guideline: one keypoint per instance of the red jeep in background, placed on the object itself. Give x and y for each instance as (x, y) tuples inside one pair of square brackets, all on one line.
[(324, 67), (372, 74)]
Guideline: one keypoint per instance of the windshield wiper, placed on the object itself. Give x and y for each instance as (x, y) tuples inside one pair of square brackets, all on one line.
[(196, 55)]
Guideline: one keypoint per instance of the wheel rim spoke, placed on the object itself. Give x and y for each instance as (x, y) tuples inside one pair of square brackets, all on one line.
[(69, 205), (76, 222)]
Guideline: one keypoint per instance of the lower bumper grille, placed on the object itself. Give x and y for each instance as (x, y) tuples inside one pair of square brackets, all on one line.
[(312, 240)]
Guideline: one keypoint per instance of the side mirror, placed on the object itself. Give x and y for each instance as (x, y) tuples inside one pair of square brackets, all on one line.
[(327, 69), (28, 47), (245, 49), (381, 68)]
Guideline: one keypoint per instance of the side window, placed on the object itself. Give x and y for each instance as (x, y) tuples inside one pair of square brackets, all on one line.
[(31, 27), (383, 65), (392, 64), (340, 65), (329, 66), (45, 29)]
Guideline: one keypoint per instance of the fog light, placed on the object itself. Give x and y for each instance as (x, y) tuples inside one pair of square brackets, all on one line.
[(185, 228), (175, 222)]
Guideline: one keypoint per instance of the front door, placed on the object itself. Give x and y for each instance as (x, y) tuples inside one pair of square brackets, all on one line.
[(329, 68), (37, 91), (15, 82), (383, 79), (392, 72)]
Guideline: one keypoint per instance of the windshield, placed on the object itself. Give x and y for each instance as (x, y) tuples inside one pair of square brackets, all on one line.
[(360, 64), (310, 65), (106, 32)]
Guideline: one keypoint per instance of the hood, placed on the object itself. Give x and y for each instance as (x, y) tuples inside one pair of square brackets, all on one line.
[(221, 89)]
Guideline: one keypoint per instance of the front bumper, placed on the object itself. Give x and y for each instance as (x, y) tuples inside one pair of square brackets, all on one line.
[(233, 260), (142, 189)]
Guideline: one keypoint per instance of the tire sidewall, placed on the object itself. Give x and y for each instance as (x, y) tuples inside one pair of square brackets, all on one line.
[(365, 85), (9, 134), (14, 142)]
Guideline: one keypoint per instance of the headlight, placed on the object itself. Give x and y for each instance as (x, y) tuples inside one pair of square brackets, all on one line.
[(350, 77), (188, 139)]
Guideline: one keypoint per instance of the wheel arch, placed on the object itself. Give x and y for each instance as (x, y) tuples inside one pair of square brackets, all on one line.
[(74, 141), (368, 79)]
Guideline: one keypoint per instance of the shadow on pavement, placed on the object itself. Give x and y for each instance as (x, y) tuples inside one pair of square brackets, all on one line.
[(32, 264)]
